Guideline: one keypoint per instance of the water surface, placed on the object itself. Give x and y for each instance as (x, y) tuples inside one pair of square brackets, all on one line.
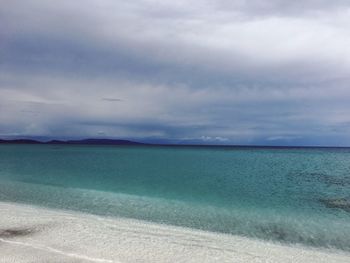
[(285, 195)]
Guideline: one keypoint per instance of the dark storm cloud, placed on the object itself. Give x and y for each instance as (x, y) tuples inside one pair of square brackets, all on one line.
[(210, 71)]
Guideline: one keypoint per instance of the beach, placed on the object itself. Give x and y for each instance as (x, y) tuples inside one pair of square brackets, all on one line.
[(35, 234), (205, 131), (160, 204)]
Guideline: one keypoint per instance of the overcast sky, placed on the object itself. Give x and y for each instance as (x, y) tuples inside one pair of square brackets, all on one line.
[(272, 72)]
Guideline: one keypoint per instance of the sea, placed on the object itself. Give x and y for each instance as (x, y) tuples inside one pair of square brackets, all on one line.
[(286, 195)]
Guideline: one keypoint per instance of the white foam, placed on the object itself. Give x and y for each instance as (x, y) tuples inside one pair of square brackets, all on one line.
[(64, 236)]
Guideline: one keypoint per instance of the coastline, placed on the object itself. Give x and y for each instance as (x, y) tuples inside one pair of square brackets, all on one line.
[(35, 234)]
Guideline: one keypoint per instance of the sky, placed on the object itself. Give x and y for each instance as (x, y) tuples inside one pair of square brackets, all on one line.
[(258, 72)]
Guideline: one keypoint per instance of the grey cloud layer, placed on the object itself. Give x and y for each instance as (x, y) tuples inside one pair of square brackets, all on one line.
[(283, 7), (241, 71)]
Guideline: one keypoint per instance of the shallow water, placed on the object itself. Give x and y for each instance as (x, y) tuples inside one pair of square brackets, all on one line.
[(287, 195)]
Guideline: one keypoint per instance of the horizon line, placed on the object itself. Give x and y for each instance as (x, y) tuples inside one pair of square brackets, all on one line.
[(132, 142)]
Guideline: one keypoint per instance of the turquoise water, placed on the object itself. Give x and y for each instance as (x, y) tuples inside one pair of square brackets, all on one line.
[(273, 194)]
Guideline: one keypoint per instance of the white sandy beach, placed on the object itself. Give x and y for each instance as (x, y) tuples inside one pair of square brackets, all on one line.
[(32, 234)]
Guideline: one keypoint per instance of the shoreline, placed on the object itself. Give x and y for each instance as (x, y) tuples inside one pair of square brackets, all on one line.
[(35, 234)]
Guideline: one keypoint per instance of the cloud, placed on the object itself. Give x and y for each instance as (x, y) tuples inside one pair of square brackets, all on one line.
[(217, 138), (282, 7), (112, 99), (245, 71)]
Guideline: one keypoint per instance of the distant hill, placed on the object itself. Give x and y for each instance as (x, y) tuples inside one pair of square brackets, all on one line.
[(20, 141), (74, 142)]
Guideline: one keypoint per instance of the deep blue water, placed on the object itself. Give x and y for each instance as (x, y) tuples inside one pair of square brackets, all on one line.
[(287, 195)]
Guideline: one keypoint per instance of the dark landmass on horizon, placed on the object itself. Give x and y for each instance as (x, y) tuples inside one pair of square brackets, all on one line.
[(117, 142), (73, 142)]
